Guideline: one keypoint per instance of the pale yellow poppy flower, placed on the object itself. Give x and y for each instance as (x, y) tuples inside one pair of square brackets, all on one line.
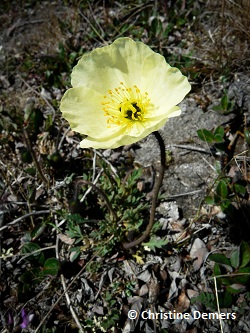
[(121, 93)]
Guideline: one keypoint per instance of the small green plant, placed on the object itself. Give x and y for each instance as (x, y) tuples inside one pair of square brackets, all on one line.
[(113, 313), (40, 268), (226, 193), (215, 137), (225, 106), (111, 309), (154, 242), (225, 189), (232, 273), (128, 208), (207, 299)]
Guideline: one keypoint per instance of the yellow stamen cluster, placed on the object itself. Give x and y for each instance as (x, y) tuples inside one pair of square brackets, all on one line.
[(123, 104)]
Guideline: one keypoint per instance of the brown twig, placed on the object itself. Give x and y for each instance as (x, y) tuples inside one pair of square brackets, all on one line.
[(24, 217), (155, 195), (37, 164)]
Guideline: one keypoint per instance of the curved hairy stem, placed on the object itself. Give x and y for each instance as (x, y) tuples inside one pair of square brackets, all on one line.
[(155, 195)]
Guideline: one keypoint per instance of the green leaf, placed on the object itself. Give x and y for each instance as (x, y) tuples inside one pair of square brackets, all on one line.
[(217, 199), (227, 281), (207, 299), (235, 258), (219, 131), (224, 102), (155, 242), (31, 276), (75, 254), (235, 290), (247, 136), (229, 107), (217, 270), (217, 166), (217, 108), (244, 278), (37, 257), (205, 135), (51, 267), (221, 189), (225, 204), (48, 122), (219, 134), (209, 200), (218, 138), (38, 230), (240, 189), (220, 259), (225, 299), (156, 26), (245, 254)]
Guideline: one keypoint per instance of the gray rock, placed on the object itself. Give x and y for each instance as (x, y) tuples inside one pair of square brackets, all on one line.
[(188, 175)]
